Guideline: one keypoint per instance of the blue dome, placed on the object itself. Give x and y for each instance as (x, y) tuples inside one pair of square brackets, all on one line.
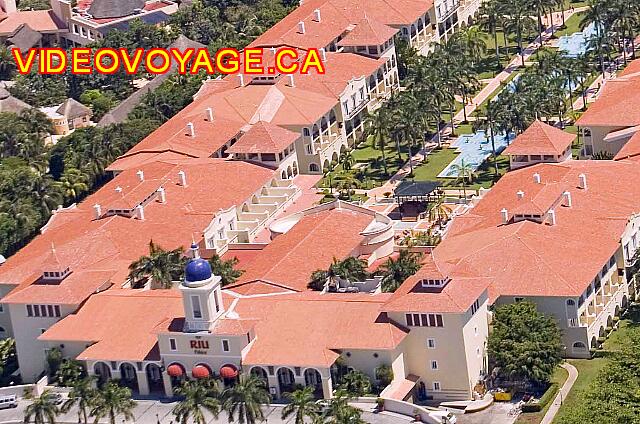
[(197, 270)]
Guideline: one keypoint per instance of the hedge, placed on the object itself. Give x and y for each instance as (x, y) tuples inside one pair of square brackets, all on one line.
[(548, 396)]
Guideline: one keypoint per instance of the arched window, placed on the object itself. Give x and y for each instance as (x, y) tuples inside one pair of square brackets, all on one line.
[(571, 302), (306, 132), (314, 168), (579, 347)]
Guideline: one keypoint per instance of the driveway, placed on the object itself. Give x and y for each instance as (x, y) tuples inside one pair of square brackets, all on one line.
[(497, 413)]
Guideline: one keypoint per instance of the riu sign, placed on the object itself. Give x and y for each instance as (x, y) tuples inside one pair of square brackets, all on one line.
[(86, 61), (199, 344)]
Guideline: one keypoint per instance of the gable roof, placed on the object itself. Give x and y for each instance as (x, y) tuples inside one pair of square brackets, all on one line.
[(72, 108), (616, 106), (102, 9), (43, 21), (25, 38), (264, 137), (368, 32), (540, 139)]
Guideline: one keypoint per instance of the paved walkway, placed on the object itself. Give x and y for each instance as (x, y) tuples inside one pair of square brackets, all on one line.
[(562, 394)]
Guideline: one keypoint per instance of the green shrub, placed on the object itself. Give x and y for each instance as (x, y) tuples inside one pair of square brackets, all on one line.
[(531, 407), (549, 395)]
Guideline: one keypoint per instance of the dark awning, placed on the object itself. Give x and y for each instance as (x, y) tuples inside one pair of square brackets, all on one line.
[(410, 188)]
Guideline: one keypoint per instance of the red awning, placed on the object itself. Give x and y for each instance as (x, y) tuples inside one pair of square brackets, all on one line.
[(228, 371), (175, 370), (200, 371)]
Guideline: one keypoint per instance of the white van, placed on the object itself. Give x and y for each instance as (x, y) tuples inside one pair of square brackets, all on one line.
[(10, 401)]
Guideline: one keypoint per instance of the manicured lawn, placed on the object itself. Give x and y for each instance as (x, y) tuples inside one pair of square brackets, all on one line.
[(436, 162), (559, 377), (572, 25)]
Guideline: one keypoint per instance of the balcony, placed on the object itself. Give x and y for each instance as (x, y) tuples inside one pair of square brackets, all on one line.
[(587, 320), (423, 38)]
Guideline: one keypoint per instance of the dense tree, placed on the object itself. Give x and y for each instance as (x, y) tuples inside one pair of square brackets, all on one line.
[(225, 269), (196, 397), (112, 400), (395, 271), (356, 383), (69, 372), (43, 409), (524, 345), (161, 267), (244, 400)]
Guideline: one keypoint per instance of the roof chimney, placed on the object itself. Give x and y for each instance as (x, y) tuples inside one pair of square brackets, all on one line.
[(323, 54), (316, 14), (520, 194), (505, 215), (183, 178), (162, 194), (241, 78), (567, 199), (209, 114), (552, 216), (98, 210), (583, 181), (292, 82), (140, 174), (536, 178), (301, 27), (273, 50), (140, 211), (191, 130)]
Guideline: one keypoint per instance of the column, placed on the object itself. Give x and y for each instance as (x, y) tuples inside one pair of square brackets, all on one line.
[(143, 384), (166, 381), (327, 388), (274, 386)]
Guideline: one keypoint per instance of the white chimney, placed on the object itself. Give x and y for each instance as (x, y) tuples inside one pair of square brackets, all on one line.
[(552, 216), (292, 82), (140, 175), (209, 114), (316, 14), (273, 50), (98, 210), (567, 199), (536, 178), (241, 78), (162, 194), (583, 181), (140, 211), (183, 178), (505, 215), (520, 194), (191, 130), (301, 27), (118, 189), (323, 54)]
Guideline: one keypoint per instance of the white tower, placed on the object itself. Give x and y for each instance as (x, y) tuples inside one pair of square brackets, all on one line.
[(201, 294)]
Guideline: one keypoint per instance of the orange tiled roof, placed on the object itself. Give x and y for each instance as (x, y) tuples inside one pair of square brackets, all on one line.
[(632, 68), (43, 21), (264, 137), (540, 139), (616, 106), (527, 258), (631, 148), (368, 33)]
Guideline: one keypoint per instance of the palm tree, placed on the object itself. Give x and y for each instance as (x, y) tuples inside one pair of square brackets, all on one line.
[(7, 64), (377, 124), (162, 267), (318, 279), (340, 412), (225, 269), (80, 396), (346, 160), (43, 409), (73, 184), (112, 400), (464, 171), (244, 400), (356, 383), (439, 211), (350, 269), (396, 271), (197, 396), (489, 22), (302, 404)]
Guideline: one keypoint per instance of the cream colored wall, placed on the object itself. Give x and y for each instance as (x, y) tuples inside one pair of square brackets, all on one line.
[(597, 139), (214, 356), (5, 316), (30, 351), (365, 361), (475, 333)]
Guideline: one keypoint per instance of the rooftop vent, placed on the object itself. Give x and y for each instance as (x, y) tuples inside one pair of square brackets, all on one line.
[(536, 178), (98, 210), (162, 195), (520, 194), (583, 181), (140, 175), (552, 216), (241, 78), (292, 82), (183, 178), (504, 213), (567, 199), (323, 54), (140, 212), (209, 114), (301, 27), (191, 130), (316, 15)]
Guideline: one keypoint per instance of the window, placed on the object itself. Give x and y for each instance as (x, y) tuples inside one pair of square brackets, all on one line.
[(36, 310), (431, 343), (434, 364), (475, 331), (409, 319), (57, 310), (475, 306), (195, 305), (172, 344), (424, 320), (215, 301), (1, 308), (518, 299), (306, 132), (43, 310), (225, 346), (29, 311), (478, 352), (50, 310), (436, 386), (309, 149)]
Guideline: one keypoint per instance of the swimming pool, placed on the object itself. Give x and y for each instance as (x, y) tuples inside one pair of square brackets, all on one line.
[(474, 149), (575, 44)]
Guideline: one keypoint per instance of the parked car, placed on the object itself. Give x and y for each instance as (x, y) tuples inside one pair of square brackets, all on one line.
[(9, 401)]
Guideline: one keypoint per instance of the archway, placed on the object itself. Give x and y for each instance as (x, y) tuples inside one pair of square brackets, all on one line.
[(289, 172), (286, 380), (617, 311), (312, 378), (284, 174), (610, 321), (314, 168), (3, 333), (343, 149), (102, 371), (594, 342), (295, 168), (326, 165), (625, 301), (154, 378), (602, 332), (579, 347), (229, 374), (334, 157), (259, 372), (128, 376)]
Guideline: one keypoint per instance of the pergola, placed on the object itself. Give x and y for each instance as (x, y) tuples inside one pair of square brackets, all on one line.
[(416, 191)]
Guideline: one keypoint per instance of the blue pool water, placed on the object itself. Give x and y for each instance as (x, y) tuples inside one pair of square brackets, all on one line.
[(474, 149), (575, 44)]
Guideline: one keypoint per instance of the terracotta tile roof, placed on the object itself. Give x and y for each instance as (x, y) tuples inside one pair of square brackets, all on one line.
[(616, 106), (632, 68), (43, 21), (119, 323), (84, 243), (528, 258), (631, 148), (368, 33), (311, 244), (264, 137), (540, 139)]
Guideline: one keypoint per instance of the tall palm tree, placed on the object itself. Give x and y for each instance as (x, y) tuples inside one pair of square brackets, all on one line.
[(302, 404), (463, 171), (396, 271), (162, 267), (73, 183), (346, 160), (489, 22), (439, 211), (244, 400), (43, 409), (112, 400), (81, 395), (377, 124), (340, 412), (225, 269), (350, 269), (197, 396)]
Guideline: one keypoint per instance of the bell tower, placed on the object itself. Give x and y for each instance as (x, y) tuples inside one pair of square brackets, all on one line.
[(201, 294)]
